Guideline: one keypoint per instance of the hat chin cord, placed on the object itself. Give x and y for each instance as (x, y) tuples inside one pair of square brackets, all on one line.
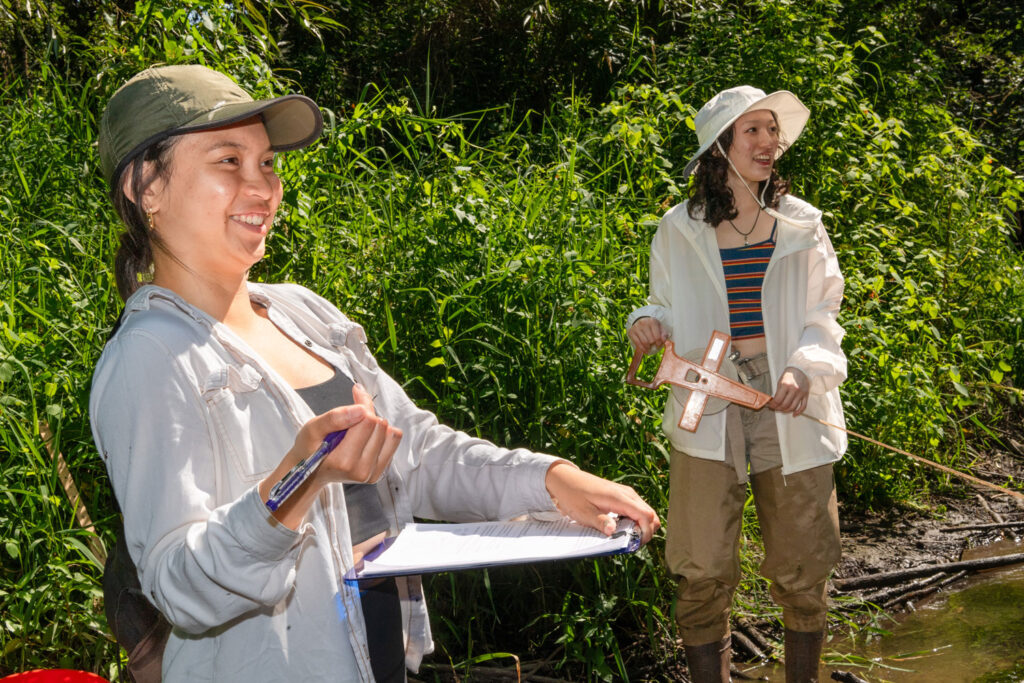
[(760, 201)]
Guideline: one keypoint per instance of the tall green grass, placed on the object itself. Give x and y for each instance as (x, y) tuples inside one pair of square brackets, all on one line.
[(492, 257)]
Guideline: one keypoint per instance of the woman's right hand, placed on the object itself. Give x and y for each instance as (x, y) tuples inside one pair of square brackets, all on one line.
[(361, 457), (365, 452), (647, 334)]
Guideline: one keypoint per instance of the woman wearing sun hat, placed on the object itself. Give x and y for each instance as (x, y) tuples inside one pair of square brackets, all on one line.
[(743, 255), (211, 388)]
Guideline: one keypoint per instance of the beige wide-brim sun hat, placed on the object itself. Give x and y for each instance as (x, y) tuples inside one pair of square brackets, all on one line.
[(722, 110), (164, 101)]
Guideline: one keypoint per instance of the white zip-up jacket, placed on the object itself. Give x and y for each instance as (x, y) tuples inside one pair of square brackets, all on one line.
[(188, 420), (800, 300)]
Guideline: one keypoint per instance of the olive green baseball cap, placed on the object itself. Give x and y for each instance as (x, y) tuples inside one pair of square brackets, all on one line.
[(164, 101)]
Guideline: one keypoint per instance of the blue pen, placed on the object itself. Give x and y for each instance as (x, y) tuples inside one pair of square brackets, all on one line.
[(300, 473)]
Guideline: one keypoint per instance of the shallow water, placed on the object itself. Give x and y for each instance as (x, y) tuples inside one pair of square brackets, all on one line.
[(973, 634)]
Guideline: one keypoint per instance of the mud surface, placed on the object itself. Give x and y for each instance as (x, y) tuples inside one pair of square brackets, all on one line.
[(905, 537)]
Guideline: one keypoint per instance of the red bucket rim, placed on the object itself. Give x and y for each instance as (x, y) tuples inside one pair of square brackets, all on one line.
[(54, 676)]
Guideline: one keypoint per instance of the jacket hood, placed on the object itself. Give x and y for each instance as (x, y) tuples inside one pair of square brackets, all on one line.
[(792, 210), (796, 211)]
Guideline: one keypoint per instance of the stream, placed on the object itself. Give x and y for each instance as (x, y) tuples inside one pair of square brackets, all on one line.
[(974, 634)]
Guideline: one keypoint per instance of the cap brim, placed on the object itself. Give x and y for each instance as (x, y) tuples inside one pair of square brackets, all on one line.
[(790, 112), (291, 121)]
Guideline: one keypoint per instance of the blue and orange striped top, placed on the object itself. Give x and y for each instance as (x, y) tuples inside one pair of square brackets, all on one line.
[(744, 274)]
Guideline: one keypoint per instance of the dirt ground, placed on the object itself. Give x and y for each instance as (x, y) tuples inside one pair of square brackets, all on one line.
[(878, 542), (900, 538)]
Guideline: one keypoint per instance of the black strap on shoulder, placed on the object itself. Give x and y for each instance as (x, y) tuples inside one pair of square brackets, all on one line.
[(117, 325)]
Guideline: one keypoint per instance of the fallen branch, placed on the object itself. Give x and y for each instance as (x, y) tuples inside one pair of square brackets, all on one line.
[(846, 677), (887, 594), (982, 527), (755, 635), (736, 674), (891, 578), (1017, 495), (925, 591), (996, 517), (742, 642)]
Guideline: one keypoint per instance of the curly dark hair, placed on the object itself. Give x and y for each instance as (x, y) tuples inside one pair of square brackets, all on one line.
[(710, 196)]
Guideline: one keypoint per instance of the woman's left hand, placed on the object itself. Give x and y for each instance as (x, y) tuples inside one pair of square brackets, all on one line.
[(791, 392), (588, 499)]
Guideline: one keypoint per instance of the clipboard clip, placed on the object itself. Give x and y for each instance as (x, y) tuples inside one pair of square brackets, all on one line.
[(703, 380)]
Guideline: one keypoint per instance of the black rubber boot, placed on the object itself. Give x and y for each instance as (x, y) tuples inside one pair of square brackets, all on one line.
[(709, 663), (803, 656)]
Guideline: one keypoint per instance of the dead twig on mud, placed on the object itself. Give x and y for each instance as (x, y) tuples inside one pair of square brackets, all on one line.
[(888, 594), (756, 636), (996, 517), (741, 642), (737, 675), (982, 527)]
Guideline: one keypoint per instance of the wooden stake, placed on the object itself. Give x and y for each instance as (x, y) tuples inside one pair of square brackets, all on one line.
[(71, 491)]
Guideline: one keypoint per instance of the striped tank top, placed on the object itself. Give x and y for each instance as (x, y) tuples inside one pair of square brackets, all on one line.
[(744, 274)]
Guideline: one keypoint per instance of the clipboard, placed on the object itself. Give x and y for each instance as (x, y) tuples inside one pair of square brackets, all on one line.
[(437, 548)]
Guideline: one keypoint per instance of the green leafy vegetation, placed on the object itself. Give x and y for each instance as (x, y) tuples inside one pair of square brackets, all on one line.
[(482, 202)]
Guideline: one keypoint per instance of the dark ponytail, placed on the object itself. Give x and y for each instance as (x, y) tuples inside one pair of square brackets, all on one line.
[(135, 252)]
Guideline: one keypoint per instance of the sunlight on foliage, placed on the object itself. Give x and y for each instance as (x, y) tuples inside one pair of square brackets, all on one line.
[(493, 256)]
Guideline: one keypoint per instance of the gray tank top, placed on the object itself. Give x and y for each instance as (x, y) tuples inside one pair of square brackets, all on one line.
[(366, 516)]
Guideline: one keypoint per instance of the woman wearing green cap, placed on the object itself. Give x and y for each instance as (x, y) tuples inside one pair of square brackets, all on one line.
[(743, 255), (212, 389)]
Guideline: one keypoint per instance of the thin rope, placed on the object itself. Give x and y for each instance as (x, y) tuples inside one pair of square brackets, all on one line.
[(930, 463)]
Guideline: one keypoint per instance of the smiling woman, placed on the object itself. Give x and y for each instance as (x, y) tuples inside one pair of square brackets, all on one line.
[(742, 254), (215, 209), (213, 388)]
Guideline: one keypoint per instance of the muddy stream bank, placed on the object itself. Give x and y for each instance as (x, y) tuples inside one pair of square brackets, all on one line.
[(971, 630), (950, 628)]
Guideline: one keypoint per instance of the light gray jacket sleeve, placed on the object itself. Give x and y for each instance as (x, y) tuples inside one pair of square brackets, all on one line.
[(453, 476), (200, 564)]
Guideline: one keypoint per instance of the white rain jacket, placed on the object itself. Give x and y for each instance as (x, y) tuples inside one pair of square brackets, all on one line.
[(800, 297), (188, 419)]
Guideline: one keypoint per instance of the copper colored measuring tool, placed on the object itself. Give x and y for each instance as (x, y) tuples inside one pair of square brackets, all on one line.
[(702, 380)]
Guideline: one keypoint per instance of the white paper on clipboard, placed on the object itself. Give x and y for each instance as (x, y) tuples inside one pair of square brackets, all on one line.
[(433, 548)]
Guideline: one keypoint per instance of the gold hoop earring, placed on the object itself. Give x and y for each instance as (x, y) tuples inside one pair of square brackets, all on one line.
[(149, 219)]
